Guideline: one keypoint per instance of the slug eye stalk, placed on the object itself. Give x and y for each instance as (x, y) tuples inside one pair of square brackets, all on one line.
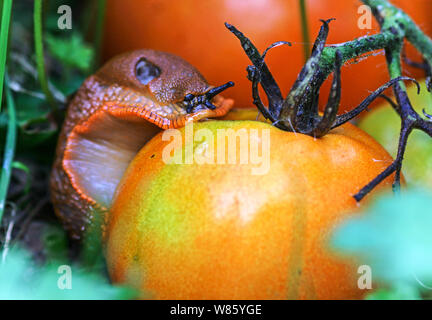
[(191, 101)]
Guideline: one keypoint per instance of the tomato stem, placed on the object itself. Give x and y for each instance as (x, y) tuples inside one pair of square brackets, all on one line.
[(299, 111), (409, 117), (271, 88)]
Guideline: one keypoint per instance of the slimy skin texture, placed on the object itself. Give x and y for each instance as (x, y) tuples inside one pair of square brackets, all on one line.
[(109, 119), (216, 231)]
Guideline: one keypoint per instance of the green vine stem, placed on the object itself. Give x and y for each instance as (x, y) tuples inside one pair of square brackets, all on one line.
[(395, 25), (298, 112), (40, 60)]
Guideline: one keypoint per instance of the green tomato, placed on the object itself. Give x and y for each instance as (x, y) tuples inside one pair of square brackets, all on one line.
[(383, 123)]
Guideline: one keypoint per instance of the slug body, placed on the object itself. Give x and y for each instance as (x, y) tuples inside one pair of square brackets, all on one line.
[(114, 113)]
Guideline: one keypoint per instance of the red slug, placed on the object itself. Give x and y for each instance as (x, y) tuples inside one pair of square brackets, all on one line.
[(114, 113)]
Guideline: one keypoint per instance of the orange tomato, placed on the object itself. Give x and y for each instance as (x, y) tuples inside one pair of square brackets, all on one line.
[(221, 231), (194, 30)]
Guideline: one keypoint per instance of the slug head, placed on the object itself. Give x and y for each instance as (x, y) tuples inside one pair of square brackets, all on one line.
[(114, 113), (165, 78)]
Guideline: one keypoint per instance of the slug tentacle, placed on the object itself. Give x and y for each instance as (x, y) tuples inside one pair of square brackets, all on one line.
[(114, 113), (191, 101)]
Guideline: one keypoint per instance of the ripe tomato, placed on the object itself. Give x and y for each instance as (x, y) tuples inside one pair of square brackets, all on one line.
[(384, 124), (219, 231), (194, 30)]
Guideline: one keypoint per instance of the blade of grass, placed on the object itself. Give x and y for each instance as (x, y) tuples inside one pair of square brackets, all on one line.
[(40, 61), (9, 150), (98, 37), (305, 29), (4, 35)]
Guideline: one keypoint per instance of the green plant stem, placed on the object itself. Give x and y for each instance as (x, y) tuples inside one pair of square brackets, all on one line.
[(395, 25), (299, 111), (395, 18), (40, 61), (4, 35), (9, 150), (353, 49), (99, 31), (305, 29), (401, 26)]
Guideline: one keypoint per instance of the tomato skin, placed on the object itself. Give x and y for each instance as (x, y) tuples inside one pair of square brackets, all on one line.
[(383, 123), (243, 114), (217, 231), (195, 31)]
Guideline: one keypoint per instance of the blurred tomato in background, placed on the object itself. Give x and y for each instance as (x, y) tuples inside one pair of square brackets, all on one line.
[(194, 30)]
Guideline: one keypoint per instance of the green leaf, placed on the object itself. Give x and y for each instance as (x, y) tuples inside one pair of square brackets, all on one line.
[(55, 243), (21, 166), (399, 292), (394, 238), (71, 51), (30, 109), (91, 257), (20, 278)]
